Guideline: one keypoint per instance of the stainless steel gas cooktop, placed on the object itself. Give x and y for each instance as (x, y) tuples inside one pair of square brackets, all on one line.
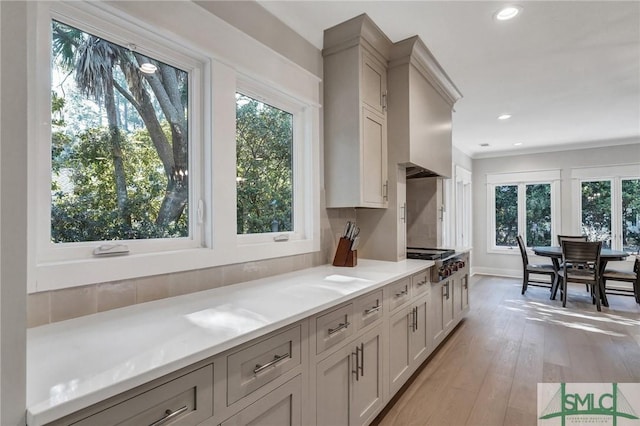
[(427, 253)]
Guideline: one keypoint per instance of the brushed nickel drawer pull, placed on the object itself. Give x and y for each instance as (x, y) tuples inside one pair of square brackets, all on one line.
[(421, 283), (372, 309), (340, 326), (403, 292), (276, 359), (169, 415)]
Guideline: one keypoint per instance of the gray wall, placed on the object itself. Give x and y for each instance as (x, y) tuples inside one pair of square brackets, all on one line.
[(510, 264)]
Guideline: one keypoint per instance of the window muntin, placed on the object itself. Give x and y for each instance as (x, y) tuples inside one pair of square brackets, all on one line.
[(264, 164), (522, 203), (596, 211), (610, 211), (119, 142)]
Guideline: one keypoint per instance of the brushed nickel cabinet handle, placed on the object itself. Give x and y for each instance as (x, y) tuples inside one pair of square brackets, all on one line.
[(169, 415), (372, 309), (403, 292), (362, 358), (276, 359), (340, 326)]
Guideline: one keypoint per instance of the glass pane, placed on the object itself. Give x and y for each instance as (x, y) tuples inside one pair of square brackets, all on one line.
[(538, 205), (119, 142), (596, 211), (264, 180), (631, 215), (506, 215)]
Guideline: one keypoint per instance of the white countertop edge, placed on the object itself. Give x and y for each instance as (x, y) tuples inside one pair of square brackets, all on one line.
[(43, 412)]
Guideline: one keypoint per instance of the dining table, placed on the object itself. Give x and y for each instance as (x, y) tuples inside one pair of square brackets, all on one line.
[(555, 253)]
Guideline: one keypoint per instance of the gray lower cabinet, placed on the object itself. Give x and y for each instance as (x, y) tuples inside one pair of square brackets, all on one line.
[(441, 311), (186, 401), (280, 407), (461, 295), (409, 341), (349, 382)]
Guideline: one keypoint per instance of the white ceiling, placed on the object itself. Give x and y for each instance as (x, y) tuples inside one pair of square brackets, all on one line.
[(568, 71)]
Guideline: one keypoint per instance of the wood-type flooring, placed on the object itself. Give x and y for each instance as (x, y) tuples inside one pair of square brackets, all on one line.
[(487, 371)]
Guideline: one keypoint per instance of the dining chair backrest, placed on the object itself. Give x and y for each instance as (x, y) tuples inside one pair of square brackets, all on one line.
[(562, 238), (523, 251), (581, 252)]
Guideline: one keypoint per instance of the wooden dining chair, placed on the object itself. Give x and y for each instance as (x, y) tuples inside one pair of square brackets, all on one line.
[(562, 238), (580, 253), (529, 268), (632, 277)]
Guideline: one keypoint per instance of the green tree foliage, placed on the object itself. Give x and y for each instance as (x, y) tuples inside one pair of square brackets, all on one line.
[(538, 215), (506, 215), (126, 178), (264, 167), (596, 211)]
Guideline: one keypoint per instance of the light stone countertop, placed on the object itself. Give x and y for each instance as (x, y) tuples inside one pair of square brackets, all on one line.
[(76, 363)]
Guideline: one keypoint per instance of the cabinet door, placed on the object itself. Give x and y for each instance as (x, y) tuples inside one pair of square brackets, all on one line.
[(447, 305), (374, 83), (367, 388), (399, 359), (460, 295), (373, 173), (333, 388), (437, 323), (281, 407), (419, 343)]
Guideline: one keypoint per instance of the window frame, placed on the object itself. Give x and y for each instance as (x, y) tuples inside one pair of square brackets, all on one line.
[(224, 56), (300, 153), (117, 33), (521, 180), (613, 174)]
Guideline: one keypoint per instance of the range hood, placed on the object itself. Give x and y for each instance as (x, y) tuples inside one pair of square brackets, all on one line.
[(415, 172)]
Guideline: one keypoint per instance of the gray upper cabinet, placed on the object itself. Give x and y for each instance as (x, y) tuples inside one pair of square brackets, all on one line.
[(420, 108), (355, 114)]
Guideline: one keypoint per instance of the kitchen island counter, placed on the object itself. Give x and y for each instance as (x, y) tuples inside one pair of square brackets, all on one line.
[(76, 363)]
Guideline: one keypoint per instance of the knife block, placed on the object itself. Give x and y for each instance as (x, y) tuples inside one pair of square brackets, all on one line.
[(344, 255)]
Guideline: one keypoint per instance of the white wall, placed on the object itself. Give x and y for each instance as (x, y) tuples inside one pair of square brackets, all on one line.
[(511, 264), (13, 200)]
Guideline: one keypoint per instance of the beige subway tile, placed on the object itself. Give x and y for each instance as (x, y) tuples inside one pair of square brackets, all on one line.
[(210, 278), (116, 295), (38, 309), (73, 302), (152, 288)]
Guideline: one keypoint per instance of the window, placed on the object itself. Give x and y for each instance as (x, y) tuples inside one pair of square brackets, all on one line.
[(610, 212), (119, 142), (264, 144), (144, 147), (523, 204)]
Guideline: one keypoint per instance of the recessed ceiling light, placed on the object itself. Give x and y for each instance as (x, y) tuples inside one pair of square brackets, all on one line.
[(517, 144), (484, 145), (508, 12), (504, 117)]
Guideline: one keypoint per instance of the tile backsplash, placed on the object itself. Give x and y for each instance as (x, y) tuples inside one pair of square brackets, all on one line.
[(59, 305)]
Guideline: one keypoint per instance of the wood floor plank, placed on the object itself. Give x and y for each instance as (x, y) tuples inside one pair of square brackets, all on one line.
[(486, 373)]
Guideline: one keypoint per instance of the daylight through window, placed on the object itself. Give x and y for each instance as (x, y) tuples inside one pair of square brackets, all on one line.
[(119, 142), (264, 179)]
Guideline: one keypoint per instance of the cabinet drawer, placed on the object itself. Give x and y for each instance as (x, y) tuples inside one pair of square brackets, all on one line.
[(398, 293), (367, 309), (280, 407), (187, 400), (420, 283), (253, 367), (333, 327)]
